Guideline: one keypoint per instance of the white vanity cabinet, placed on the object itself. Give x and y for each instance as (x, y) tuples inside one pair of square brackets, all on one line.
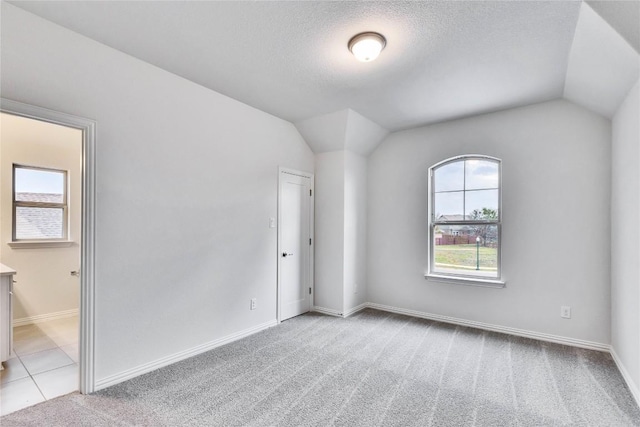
[(6, 312)]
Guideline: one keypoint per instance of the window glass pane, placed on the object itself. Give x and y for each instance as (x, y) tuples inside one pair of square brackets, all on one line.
[(448, 206), (481, 204), (469, 250), (449, 177), (480, 174), (33, 185), (39, 223)]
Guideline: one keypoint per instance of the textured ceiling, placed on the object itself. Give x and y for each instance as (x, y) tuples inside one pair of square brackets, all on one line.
[(443, 60)]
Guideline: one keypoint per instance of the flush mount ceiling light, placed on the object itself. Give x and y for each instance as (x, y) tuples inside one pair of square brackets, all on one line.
[(367, 46)]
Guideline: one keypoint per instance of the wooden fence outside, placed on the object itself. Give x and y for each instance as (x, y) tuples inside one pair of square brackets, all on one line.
[(449, 239)]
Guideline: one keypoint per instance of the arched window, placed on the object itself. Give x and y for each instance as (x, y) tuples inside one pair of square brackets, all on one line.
[(465, 219)]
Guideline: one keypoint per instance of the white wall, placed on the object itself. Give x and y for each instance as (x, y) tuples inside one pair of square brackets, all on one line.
[(186, 183), (44, 283), (329, 230), (625, 232), (340, 230), (355, 230), (556, 183)]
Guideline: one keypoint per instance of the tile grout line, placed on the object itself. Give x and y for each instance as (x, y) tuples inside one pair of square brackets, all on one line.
[(31, 375), (48, 370), (56, 335)]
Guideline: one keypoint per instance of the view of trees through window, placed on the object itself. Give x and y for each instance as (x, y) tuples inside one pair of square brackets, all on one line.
[(465, 217)]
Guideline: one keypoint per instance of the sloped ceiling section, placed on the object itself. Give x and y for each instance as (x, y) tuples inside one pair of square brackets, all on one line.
[(326, 132), (623, 16), (602, 65), (342, 130), (363, 135), (443, 59)]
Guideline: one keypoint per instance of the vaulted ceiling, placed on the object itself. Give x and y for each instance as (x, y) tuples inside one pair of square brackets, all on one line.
[(443, 60)]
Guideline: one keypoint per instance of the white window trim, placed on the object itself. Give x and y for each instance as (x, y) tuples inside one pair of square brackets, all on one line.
[(462, 279), (36, 244), (40, 242), (465, 280)]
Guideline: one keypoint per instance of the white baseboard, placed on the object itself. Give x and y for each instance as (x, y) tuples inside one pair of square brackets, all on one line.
[(165, 361), (45, 317), (336, 313), (635, 391), (177, 357), (495, 328), (625, 374), (327, 311), (355, 309)]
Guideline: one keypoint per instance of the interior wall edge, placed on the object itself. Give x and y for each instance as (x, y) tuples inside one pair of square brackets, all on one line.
[(633, 387), (336, 313), (355, 309), (327, 311)]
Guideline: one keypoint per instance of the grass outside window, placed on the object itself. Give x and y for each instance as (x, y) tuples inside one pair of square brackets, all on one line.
[(465, 257)]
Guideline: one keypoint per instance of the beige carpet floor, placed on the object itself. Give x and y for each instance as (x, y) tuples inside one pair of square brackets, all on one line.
[(372, 369)]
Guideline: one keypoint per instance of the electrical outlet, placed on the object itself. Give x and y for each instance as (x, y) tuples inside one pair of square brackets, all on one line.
[(565, 312), (254, 303)]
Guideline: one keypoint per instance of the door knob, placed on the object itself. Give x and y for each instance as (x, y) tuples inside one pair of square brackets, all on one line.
[(284, 254)]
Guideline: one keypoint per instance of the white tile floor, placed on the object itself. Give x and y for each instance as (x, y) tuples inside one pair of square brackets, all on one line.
[(44, 364)]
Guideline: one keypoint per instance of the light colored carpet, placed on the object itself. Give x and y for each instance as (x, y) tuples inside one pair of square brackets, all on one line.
[(374, 368)]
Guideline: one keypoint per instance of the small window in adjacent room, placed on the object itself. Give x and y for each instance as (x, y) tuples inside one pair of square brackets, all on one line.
[(465, 220), (39, 204)]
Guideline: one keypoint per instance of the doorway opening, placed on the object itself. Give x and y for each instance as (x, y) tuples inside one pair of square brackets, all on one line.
[(295, 243), (47, 163)]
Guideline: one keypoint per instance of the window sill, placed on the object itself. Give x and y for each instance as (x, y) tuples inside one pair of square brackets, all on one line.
[(469, 281), (33, 244)]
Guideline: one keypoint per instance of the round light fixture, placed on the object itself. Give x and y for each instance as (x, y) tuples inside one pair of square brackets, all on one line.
[(367, 46)]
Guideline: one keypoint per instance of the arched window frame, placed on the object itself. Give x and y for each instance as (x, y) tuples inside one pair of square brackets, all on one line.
[(467, 279)]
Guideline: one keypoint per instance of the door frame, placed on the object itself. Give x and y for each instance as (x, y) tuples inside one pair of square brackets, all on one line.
[(87, 239), (281, 171)]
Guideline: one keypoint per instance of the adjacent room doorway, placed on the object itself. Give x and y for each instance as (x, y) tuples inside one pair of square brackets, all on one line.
[(40, 235), (85, 272), (295, 243)]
